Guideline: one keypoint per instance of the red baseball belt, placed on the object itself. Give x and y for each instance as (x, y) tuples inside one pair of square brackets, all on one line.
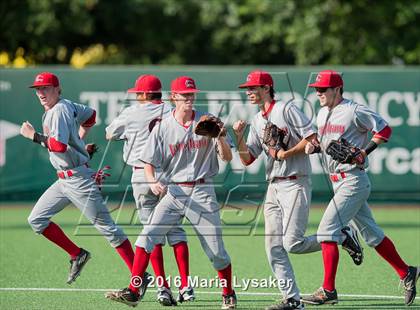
[(335, 177), (292, 177), (192, 183)]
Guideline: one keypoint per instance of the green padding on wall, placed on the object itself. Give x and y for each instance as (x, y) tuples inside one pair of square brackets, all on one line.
[(395, 94)]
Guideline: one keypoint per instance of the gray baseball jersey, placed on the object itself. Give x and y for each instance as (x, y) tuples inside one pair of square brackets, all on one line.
[(133, 125), (286, 205), (185, 157), (178, 150), (62, 123), (351, 121), (297, 126)]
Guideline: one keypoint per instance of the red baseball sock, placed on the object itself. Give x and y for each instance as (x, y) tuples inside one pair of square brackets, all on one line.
[(182, 259), (330, 256), (227, 275), (54, 233), (140, 263), (126, 252), (388, 252), (156, 259)]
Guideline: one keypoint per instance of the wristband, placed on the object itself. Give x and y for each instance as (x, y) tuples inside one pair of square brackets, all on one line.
[(40, 139), (370, 147), (317, 149)]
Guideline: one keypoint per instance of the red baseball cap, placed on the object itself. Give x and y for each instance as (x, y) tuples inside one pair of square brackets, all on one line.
[(184, 85), (257, 78), (146, 83), (327, 78), (45, 79)]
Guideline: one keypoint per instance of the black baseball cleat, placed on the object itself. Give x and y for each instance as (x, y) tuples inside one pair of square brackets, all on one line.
[(321, 297), (186, 294), (125, 296), (229, 301), (352, 245), (77, 264), (147, 278), (409, 283), (287, 304), (165, 297)]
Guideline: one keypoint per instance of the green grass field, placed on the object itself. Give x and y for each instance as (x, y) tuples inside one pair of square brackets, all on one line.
[(30, 261)]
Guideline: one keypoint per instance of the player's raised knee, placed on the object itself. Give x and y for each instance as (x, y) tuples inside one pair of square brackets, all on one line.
[(37, 224)]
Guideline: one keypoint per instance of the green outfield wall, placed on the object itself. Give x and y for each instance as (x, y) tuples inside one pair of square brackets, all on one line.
[(25, 171)]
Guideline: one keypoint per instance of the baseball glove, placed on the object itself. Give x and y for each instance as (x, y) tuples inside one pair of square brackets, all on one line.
[(345, 153), (273, 137), (91, 148), (210, 126)]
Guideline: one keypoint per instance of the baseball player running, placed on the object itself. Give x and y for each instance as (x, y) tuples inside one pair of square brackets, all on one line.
[(286, 206), (65, 125), (191, 163), (339, 119), (134, 125)]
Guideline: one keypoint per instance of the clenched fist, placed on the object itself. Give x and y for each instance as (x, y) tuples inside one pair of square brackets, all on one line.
[(239, 127), (309, 148), (312, 147), (27, 130)]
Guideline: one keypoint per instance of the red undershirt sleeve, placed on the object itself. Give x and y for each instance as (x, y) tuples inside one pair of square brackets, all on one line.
[(91, 120), (56, 146), (384, 134)]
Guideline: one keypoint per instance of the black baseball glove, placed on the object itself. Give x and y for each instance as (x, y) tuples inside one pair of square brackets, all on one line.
[(345, 153)]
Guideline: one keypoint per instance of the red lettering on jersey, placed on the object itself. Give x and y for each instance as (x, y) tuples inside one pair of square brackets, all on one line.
[(331, 128), (189, 146)]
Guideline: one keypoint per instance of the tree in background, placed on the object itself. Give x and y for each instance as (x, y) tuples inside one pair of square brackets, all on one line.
[(226, 32)]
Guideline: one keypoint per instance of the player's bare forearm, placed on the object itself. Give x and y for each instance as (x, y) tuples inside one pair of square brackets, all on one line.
[(378, 138), (299, 148), (149, 172), (239, 131), (378, 141), (225, 152), (372, 145), (83, 132), (244, 154)]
